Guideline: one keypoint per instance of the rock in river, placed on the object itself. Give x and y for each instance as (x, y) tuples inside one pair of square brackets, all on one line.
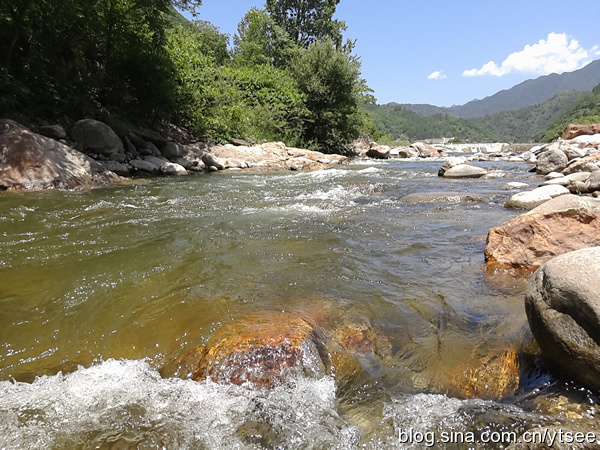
[(32, 161), (531, 199), (563, 309), (261, 349), (464, 171), (561, 225), (443, 197)]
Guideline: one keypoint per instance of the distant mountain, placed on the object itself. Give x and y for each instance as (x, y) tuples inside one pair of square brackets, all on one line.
[(527, 124), (528, 93)]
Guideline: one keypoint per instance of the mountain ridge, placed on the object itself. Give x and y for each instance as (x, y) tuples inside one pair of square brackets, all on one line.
[(528, 93)]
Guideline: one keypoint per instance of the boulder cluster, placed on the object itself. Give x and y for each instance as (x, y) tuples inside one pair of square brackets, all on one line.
[(559, 240), (93, 153)]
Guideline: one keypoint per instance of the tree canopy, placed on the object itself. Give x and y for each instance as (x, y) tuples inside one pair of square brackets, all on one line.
[(307, 21), (288, 77)]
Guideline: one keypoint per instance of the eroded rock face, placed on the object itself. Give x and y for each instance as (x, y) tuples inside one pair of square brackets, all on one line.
[(563, 309), (559, 226), (32, 161), (573, 130)]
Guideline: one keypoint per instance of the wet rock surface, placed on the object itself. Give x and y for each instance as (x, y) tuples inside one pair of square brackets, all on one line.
[(32, 161), (531, 239), (563, 309)]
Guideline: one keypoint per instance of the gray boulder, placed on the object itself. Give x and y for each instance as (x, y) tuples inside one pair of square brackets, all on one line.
[(172, 150), (562, 303), (170, 168), (592, 183), (531, 199), (32, 161), (56, 132), (144, 166), (552, 160), (157, 161), (378, 151), (212, 161), (96, 137), (464, 171), (116, 167)]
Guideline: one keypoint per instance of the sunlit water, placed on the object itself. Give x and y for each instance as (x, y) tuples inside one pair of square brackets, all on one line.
[(101, 291)]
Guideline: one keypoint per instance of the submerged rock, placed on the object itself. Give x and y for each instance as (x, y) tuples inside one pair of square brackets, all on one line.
[(558, 226), (32, 161), (493, 377), (443, 197), (563, 309), (264, 348), (261, 349)]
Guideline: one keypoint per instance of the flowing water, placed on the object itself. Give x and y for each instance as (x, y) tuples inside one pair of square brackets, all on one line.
[(102, 292)]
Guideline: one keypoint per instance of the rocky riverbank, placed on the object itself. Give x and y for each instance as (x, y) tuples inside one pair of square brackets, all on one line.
[(95, 154)]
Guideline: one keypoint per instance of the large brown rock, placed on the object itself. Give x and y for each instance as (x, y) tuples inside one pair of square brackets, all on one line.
[(264, 348), (562, 303), (32, 161), (573, 130), (558, 226), (261, 349), (427, 151)]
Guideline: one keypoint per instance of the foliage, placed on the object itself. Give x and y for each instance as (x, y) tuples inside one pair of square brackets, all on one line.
[(523, 125), (261, 41), (254, 102), (285, 79), (585, 111), (307, 21), (72, 53), (335, 93)]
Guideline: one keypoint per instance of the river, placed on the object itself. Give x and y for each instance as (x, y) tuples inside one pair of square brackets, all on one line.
[(102, 291)]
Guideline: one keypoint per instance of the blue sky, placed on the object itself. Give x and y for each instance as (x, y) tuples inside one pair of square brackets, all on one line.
[(450, 52)]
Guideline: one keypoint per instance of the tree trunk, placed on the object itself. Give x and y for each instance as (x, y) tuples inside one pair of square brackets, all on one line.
[(17, 29)]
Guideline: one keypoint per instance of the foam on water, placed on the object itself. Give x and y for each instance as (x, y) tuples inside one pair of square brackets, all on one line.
[(126, 402)]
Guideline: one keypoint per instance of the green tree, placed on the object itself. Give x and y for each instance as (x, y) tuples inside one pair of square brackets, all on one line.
[(335, 94), (306, 21), (260, 40), (58, 54), (213, 43)]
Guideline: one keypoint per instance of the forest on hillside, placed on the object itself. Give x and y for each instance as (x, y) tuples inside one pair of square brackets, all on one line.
[(287, 76), (537, 123)]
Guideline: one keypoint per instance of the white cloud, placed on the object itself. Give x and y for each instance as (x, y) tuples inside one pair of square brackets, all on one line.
[(558, 53), (437, 75)]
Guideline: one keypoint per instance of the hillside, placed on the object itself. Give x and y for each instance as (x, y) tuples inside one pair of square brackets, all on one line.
[(523, 125), (528, 93), (586, 110)]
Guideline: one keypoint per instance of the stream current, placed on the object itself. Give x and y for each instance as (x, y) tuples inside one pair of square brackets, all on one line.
[(101, 291)]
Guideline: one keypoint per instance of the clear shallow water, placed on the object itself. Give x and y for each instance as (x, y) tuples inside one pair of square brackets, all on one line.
[(102, 291)]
